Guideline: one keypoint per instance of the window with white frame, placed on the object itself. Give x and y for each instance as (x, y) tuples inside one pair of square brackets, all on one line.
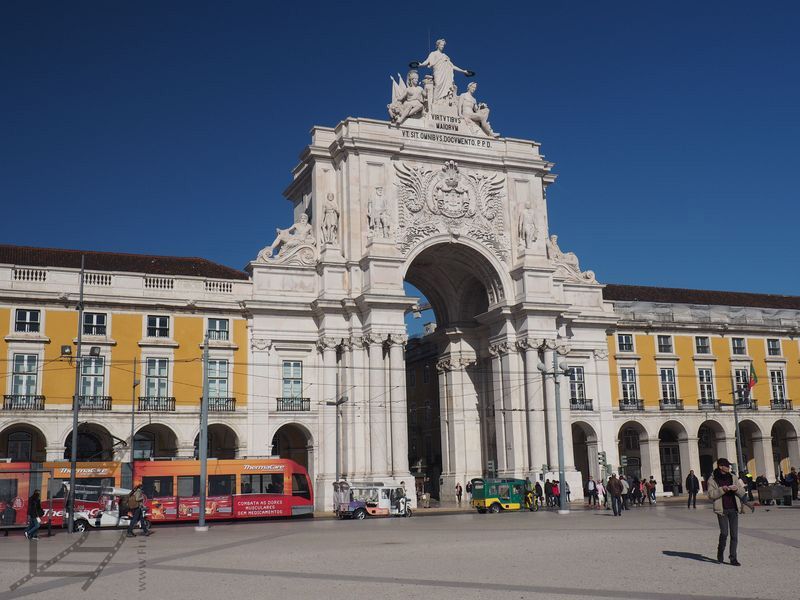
[(739, 346), (292, 379), (94, 323), (92, 375), (27, 321), (23, 381), (218, 329), (628, 377), (776, 380), (157, 378), (577, 384), (665, 344), (157, 326), (625, 342), (217, 378), (702, 345), (741, 382), (773, 347), (706, 378), (668, 389)]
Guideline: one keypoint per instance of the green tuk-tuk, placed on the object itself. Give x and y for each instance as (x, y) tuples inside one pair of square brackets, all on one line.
[(494, 495)]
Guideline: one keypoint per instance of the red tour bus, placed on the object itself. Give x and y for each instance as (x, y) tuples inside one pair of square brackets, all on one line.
[(236, 489)]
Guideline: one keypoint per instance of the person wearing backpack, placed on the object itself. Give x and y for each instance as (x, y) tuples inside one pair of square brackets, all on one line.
[(135, 503)]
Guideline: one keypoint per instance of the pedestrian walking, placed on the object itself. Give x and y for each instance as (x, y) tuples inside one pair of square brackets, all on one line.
[(566, 491), (625, 489), (727, 495), (591, 492), (652, 488), (469, 491), (793, 481), (692, 487), (35, 514), (601, 493), (537, 490), (556, 493), (459, 491), (636, 492), (548, 492), (136, 506), (614, 487)]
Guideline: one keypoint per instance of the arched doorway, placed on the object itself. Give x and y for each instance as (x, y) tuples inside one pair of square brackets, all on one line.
[(711, 440), (584, 448), (22, 443), (785, 446), (94, 444), (673, 452), (633, 442), (294, 442), (223, 443), (757, 455), (155, 441), (449, 367)]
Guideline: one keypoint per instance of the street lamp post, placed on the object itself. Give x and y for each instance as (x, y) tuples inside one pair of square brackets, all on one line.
[(76, 402), (203, 441), (563, 508)]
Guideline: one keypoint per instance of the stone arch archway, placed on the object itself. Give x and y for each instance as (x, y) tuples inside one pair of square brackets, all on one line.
[(756, 450), (95, 443), (584, 448), (785, 446), (155, 440), (635, 449), (294, 441), (223, 443), (712, 442), (21, 442), (674, 454)]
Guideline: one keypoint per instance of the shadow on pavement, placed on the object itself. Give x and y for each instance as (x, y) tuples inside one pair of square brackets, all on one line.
[(690, 555)]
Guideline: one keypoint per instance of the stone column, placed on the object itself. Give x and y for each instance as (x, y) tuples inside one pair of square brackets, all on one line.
[(726, 448), (651, 460), (534, 405), (516, 415), (262, 375), (330, 452), (502, 440), (550, 409), (358, 409), (399, 405), (793, 446), (377, 406), (762, 452)]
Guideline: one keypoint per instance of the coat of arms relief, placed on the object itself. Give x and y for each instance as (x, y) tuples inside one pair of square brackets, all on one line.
[(448, 200)]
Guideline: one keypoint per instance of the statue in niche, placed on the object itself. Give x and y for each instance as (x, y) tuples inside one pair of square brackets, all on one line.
[(474, 112), (408, 99), (330, 220), (299, 234), (378, 217), (526, 227), (443, 71)]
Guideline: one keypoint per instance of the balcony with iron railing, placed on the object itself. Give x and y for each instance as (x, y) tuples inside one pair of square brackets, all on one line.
[(780, 404), (23, 402), (221, 404), (580, 404), (747, 404), (708, 404), (670, 404), (94, 402), (293, 404), (156, 404), (631, 404)]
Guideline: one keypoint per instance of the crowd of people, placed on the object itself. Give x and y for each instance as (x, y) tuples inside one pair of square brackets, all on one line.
[(621, 492)]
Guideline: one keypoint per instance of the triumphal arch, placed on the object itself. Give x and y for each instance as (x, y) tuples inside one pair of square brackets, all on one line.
[(435, 197)]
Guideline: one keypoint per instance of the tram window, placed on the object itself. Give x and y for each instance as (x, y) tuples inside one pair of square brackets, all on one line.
[(262, 484), (300, 486), (86, 494), (155, 487), (188, 485), (221, 485)]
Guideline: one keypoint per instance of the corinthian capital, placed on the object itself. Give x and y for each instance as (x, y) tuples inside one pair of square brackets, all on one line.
[(375, 339), (530, 343), (401, 339), (328, 343), (357, 341), (499, 348)]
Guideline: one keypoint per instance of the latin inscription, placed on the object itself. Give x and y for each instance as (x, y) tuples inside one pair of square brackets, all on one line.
[(446, 138)]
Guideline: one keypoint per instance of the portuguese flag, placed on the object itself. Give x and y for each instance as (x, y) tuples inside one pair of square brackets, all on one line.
[(753, 379)]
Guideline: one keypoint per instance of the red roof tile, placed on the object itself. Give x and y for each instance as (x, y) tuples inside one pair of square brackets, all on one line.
[(640, 293)]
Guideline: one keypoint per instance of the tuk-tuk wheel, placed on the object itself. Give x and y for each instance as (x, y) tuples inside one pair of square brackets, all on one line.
[(80, 525), (494, 508), (360, 514), (482, 511), (408, 512)]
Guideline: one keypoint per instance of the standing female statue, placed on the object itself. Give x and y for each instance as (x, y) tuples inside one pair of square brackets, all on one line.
[(443, 70), (330, 220)]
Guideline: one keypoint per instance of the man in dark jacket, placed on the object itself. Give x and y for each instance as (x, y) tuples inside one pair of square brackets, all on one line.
[(614, 488), (692, 487), (35, 514)]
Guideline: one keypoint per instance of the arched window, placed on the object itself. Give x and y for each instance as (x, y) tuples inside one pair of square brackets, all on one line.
[(630, 439), (144, 445), (20, 446)]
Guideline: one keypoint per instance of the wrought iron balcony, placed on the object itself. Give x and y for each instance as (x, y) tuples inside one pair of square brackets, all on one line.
[(156, 404), (631, 404), (783, 404), (748, 404), (708, 404), (670, 404), (294, 404), (23, 402), (221, 404), (580, 404), (94, 402)]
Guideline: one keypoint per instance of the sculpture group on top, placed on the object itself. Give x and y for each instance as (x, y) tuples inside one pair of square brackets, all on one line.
[(296, 244), (439, 96), (567, 263)]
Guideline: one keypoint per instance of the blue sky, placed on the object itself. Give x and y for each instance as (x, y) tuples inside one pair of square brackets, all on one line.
[(172, 127)]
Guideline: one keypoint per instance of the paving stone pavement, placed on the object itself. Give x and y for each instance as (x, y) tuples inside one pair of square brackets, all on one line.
[(662, 552)]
